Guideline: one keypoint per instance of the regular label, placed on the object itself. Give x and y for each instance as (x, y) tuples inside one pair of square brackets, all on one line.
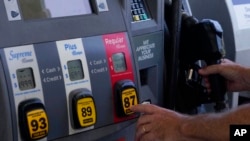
[(86, 112), (37, 123)]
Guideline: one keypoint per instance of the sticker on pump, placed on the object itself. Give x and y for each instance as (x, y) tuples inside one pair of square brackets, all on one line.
[(129, 98), (37, 123), (86, 111)]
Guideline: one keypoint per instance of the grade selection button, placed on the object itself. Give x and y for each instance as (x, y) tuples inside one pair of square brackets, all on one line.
[(33, 120), (83, 110), (126, 96)]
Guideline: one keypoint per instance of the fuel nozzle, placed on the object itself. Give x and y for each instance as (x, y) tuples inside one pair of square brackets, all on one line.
[(203, 40)]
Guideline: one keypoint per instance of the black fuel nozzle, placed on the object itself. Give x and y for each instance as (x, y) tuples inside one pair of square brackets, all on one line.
[(203, 40)]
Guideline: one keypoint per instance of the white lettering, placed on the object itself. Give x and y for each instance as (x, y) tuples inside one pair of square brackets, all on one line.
[(114, 41), (145, 52), (50, 70), (239, 132), (146, 42), (145, 57), (145, 47), (99, 70), (243, 131), (97, 62)]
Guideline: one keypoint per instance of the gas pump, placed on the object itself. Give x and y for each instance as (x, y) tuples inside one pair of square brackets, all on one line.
[(71, 69)]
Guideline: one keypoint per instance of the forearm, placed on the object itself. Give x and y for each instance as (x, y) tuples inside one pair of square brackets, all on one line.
[(215, 127), (246, 77)]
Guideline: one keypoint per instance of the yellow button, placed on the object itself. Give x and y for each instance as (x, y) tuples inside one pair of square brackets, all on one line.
[(129, 98), (136, 17), (86, 111), (37, 123)]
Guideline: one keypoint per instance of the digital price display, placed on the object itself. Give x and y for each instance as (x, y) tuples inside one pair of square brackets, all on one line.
[(75, 70), (25, 78), (119, 62)]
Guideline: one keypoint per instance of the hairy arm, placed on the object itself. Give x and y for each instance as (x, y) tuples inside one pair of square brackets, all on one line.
[(215, 127)]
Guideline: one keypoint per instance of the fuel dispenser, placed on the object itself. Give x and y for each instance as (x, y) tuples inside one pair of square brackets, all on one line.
[(70, 70)]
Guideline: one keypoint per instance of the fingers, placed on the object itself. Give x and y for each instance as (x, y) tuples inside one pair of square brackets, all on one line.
[(226, 61), (147, 137), (213, 69), (145, 132), (143, 108), (141, 131), (144, 119)]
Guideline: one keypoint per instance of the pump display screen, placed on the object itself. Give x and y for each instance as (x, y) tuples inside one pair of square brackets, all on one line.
[(38, 9), (75, 70), (119, 62), (25, 78)]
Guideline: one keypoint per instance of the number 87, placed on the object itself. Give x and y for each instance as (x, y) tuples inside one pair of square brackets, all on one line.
[(128, 101)]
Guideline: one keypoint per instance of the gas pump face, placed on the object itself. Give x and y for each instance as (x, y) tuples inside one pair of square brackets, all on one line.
[(71, 70)]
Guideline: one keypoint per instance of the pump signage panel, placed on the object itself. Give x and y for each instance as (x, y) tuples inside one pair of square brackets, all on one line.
[(120, 64), (24, 74), (75, 70), (242, 12)]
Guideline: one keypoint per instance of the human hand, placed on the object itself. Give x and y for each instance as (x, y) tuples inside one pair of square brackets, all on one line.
[(237, 77), (157, 124)]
